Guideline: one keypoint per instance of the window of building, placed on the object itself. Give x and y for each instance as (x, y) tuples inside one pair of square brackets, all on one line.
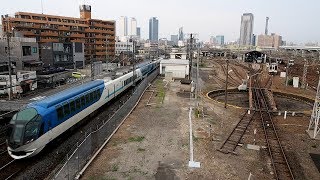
[(26, 50), (34, 50)]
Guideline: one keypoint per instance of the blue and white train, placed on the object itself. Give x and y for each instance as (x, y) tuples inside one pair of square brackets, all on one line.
[(42, 121)]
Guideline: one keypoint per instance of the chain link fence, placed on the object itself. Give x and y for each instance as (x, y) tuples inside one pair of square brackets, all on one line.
[(85, 150)]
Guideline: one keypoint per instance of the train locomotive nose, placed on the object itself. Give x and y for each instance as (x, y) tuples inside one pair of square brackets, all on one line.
[(21, 154)]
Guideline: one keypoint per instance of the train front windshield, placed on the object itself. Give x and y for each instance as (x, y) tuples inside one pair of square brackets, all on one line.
[(25, 127)]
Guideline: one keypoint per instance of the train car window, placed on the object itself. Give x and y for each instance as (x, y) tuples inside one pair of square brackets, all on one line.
[(87, 98), (41, 129), (72, 107), (66, 109), (95, 95), (78, 104), (83, 101), (98, 93), (60, 113), (91, 96), (49, 125)]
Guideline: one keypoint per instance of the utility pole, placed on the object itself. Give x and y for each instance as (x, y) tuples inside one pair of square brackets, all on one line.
[(304, 77), (107, 54), (190, 55), (92, 62), (226, 90), (287, 71), (197, 85), (133, 63), (9, 60)]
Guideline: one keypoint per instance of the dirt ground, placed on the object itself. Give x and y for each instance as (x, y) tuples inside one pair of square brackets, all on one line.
[(153, 143)]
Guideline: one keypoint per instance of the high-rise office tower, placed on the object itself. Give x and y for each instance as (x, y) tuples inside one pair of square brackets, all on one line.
[(174, 39), (133, 27), (181, 35), (122, 26), (138, 32), (153, 29), (246, 29), (220, 40)]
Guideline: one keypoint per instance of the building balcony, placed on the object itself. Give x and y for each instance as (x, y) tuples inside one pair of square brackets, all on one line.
[(63, 28), (100, 42), (78, 40), (28, 33), (48, 40), (103, 26), (77, 35), (101, 48), (49, 34), (101, 53), (95, 30), (100, 36)]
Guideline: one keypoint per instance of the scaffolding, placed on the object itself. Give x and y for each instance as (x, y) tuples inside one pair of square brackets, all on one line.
[(314, 128)]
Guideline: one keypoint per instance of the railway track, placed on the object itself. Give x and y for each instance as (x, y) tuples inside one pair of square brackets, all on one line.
[(235, 137), (232, 80), (280, 165), (277, 155), (238, 75)]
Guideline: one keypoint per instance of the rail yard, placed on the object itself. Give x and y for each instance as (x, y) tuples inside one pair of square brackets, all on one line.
[(250, 138), (257, 132)]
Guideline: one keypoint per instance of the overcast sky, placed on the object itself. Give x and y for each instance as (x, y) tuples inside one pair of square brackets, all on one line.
[(296, 20)]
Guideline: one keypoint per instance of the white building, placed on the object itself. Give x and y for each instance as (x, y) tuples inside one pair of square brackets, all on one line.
[(22, 82), (123, 47), (133, 27), (122, 26), (174, 68)]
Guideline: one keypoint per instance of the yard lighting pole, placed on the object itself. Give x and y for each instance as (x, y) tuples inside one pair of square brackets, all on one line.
[(9, 60), (287, 71), (226, 90)]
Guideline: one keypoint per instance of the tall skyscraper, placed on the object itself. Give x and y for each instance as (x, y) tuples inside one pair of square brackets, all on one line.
[(133, 27), (220, 40), (174, 39), (122, 26), (246, 29), (138, 32), (153, 29), (181, 35)]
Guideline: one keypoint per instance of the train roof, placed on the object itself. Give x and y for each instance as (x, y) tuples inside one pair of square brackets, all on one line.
[(67, 94)]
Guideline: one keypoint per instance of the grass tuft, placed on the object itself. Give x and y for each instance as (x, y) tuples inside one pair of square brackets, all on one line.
[(115, 168), (136, 139), (141, 150)]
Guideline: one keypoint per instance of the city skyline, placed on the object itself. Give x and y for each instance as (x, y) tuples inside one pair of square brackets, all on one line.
[(294, 23)]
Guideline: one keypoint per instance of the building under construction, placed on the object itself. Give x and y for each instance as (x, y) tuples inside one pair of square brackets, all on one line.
[(98, 36)]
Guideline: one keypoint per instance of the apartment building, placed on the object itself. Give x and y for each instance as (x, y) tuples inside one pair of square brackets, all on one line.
[(269, 41), (97, 35)]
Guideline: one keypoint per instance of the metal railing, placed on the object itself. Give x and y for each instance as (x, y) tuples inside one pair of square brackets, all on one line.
[(76, 161)]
